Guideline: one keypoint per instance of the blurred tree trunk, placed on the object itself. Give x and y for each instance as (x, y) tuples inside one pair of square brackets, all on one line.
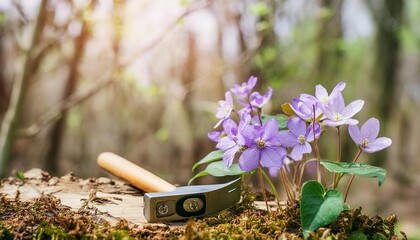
[(388, 18), (329, 38), (4, 94), (13, 114), (55, 137)]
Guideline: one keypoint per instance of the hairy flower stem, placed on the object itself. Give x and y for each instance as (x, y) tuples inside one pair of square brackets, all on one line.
[(273, 188), (289, 197), (260, 174), (319, 167), (338, 155), (348, 188), (259, 111), (357, 155), (287, 185), (352, 177)]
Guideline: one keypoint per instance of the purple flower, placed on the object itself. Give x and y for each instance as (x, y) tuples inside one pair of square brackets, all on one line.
[(257, 100), (263, 147), (232, 142), (303, 107), (225, 108), (321, 93), (367, 136), (299, 137), (336, 113), (246, 87)]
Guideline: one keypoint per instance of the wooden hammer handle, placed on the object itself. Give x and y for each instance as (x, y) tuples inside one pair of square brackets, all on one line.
[(135, 175)]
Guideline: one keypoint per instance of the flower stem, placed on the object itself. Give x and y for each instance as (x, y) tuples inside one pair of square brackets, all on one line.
[(259, 112), (287, 185), (260, 170), (272, 187), (348, 188), (352, 178), (357, 155), (338, 155), (286, 188)]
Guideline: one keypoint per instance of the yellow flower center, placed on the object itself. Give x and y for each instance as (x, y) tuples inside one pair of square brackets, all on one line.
[(365, 142), (261, 144), (301, 139), (228, 109), (241, 89), (337, 117), (325, 99)]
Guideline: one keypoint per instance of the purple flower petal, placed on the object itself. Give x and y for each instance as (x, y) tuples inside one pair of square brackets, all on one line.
[(270, 130), (288, 139), (331, 123), (355, 134), (310, 132), (321, 93), (225, 143), (297, 126), (350, 121), (273, 171), (308, 99), (299, 150), (214, 136), (272, 156), (258, 100), (370, 129), (229, 155), (353, 108), (336, 103), (378, 144), (229, 126), (225, 107), (249, 159), (338, 88)]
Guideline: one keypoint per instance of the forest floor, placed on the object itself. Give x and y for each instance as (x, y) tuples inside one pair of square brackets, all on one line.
[(43, 207)]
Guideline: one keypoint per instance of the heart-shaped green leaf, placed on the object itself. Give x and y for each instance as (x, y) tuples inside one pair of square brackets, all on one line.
[(218, 169), (358, 169), (211, 157), (319, 208)]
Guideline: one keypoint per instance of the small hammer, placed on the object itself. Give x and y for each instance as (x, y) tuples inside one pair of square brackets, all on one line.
[(165, 202)]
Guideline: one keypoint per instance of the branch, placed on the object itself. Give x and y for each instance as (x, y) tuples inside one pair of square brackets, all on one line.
[(78, 98)]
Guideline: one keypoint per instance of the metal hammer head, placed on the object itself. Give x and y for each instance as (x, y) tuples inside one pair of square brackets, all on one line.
[(191, 201), (165, 202)]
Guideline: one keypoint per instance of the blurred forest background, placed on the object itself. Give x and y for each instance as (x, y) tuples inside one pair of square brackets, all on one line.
[(141, 79)]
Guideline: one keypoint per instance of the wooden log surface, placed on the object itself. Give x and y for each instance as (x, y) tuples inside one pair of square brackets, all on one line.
[(105, 198)]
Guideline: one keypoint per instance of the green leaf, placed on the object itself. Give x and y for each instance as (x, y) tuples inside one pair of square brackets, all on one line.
[(357, 235), (358, 169), (281, 120), (318, 208), (211, 157), (20, 175), (218, 169)]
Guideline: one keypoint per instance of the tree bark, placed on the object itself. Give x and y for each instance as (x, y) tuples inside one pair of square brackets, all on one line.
[(13, 114)]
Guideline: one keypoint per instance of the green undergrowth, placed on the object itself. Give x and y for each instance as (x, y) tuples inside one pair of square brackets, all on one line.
[(47, 218), (250, 223)]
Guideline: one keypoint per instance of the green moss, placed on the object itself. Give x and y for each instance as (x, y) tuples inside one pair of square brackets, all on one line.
[(46, 218)]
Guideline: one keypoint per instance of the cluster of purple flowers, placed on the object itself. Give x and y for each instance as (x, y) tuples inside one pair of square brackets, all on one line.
[(261, 143)]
